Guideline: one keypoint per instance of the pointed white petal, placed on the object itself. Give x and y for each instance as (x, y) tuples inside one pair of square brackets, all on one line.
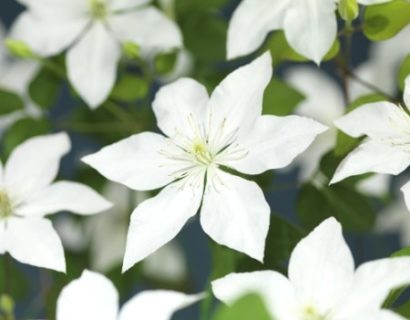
[(151, 29), (371, 285), (3, 246), (406, 192), (137, 162), (180, 107), (24, 178), (251, 23), (48, 37), (273, 143), (158, 220), (125, 4), (377, 185), (371, 156), (323, 98), (311, 27), (64, 195), (92, 64), (156, 305), (376, 120), (321, 266), (34, 241), (274, 288), (406, 96), (382, 314), (92, 296), (235, 213), (237, 101)]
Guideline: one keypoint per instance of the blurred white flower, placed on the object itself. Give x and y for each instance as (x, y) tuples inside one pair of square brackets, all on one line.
[(15, 76), (322, 282), (27, 195), (93, 296), (324, 102), (310, 27), (92, 30), (386, 148), (203, 136), (382, 66)]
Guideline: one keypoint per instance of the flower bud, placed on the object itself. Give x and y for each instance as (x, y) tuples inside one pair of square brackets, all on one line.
[(348, 10), (19, 49)]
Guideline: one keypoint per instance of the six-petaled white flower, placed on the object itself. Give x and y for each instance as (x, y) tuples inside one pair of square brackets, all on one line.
[(93, 30), (310, 26), (386, 148), (322, 282), (27, 195), (93, 296), (204, 136)]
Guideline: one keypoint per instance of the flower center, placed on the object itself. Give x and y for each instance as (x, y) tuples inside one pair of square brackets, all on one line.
[(201, 152), (98, 9), (310, 313), (6, 209)]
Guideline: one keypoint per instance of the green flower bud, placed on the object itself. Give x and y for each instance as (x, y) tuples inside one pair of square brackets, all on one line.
[(348, 10), (131, 50), (6, 304), (19, 49)]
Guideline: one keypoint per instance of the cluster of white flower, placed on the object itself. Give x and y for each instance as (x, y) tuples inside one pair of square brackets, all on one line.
[(209, 147)]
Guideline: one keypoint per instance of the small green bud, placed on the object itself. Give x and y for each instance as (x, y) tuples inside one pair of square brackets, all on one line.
[(6, 304), (348, 10), (165, 62), (19, 49), (131, 50)]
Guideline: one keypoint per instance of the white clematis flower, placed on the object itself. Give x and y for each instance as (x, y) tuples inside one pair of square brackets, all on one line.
[(324, 102), (93, 30), (27, 195), (322, 282), (310, 26), (386, 149), (93, 296), (203, 136)]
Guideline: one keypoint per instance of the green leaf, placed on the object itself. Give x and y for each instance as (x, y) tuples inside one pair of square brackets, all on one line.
[(280, 99), (22, 130), (385, 20), (44, 89), (9, 102), (165, 62), (353, 210), (404, 72), (246, 308), (282, 238), (129, 88), (281, 50), (344, 142)]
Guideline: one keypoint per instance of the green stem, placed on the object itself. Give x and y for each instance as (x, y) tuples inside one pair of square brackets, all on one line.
[(7, 274)]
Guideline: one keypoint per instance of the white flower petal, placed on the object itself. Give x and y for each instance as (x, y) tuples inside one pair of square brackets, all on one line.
[(3, 246), (92, 64), (156, 305), (24, 178), (136, 162), (274, 289), (382, 314), (237, 101), (179, 105), (64, 195), (92, 296), (34, 241), (235, 213), (321, 266), (125, 4), (375, 120), (371, 156), (251, 23), (47, 37), (151, 29), (323, 97), (406, 192), (273, 143), (371, 285), (311, 27), (371, 2), (406, 96), (377, 185), (158, 220)]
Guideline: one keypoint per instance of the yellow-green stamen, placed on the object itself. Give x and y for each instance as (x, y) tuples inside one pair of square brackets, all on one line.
[(98, 9), (6, 209)]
